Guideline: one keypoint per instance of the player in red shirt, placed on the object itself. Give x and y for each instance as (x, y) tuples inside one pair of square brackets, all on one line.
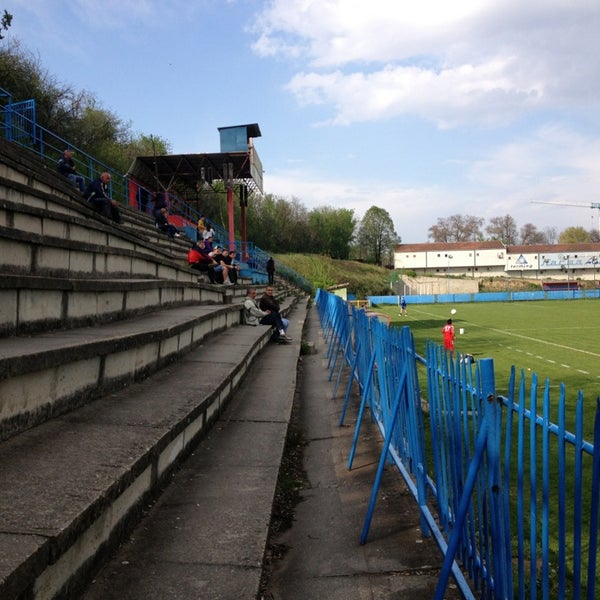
[(448, 333)]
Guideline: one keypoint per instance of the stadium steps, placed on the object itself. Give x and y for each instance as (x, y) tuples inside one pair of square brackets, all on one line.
[(114, 362)]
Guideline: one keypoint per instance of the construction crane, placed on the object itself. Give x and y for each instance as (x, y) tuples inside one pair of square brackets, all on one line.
[(580, 204)]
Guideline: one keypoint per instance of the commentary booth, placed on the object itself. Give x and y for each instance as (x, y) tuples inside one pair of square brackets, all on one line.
[(183, 175)]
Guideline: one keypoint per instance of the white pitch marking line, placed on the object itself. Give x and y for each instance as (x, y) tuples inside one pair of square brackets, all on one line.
[(527, 337)]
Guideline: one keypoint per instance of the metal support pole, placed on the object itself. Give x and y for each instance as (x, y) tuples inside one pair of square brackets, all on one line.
[(243, 219), (231, 219)]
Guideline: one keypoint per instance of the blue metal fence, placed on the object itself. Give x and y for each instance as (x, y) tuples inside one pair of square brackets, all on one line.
[(509, 493)]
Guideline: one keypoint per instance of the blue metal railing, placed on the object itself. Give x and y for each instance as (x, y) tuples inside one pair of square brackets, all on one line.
[(21, 127), (517, 496)]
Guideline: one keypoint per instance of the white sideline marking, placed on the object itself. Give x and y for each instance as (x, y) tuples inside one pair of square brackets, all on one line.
[(527, 337)]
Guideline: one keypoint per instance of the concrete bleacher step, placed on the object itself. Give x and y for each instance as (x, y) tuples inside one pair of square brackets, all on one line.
[(205, 536), (74, 484), (114, 360), (29, 191), (43, 241), (32, 304), (51, 373)]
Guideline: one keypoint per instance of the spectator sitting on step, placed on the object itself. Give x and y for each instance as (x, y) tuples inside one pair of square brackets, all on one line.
[(159, 202), (208, 232), (200, 260), (161, 221), (222, 269), (268, 302), (97, 195), (228, 267), (233, 265), (66, 167), (253, 315), (208, 242), (200, 228)]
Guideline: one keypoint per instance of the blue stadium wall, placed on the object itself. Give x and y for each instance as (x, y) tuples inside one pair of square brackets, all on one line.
[(487, 297)]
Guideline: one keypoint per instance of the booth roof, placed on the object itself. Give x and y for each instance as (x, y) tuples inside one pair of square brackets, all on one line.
[(189, 172)]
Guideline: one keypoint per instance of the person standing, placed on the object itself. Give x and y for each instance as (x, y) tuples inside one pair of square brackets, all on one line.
[(448, 334), (66, 167), (403, 310), (97, 195), (271, 270)]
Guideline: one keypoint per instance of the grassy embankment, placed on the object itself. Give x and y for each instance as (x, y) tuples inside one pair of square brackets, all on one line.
[(362, 279), (371, 280)]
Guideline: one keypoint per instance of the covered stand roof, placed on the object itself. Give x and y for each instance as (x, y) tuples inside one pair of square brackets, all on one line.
[(186, 174)]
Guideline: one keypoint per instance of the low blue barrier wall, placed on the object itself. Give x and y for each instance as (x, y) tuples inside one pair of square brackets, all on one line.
[(487, 297)]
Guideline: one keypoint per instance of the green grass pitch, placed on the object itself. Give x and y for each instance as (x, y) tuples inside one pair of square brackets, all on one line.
[(557, 339)]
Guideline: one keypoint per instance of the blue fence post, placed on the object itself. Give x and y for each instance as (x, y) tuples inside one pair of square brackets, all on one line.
[(350, 382), (361, 411), (594, 512), (495, 490), (384, 451)]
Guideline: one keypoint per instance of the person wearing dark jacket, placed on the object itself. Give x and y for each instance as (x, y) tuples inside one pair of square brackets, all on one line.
[(66, 167), (271, 270), (97, 195), (254, 315), (160, 202), (161, 221), (268, 303)]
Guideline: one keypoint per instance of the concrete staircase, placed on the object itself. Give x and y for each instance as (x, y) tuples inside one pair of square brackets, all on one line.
[(114, 362)]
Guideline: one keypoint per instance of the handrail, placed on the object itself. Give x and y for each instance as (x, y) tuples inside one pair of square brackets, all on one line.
[(28, 133)]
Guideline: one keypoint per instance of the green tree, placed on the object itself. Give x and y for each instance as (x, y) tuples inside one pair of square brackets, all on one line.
[(574, 235), (376, 235), (331, 231)]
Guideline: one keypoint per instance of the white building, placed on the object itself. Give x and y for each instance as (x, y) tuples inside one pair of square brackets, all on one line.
[(494, 259)]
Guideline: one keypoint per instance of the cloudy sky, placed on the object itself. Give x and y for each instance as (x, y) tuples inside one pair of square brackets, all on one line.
[(426, 109)]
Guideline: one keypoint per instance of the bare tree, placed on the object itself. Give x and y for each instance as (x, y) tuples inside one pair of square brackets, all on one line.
[(530, 235), (503, 229), (457, 228), (551, 234)]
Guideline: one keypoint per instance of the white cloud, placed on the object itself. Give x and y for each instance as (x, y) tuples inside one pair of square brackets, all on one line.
[(448, 98), (451, 63)]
